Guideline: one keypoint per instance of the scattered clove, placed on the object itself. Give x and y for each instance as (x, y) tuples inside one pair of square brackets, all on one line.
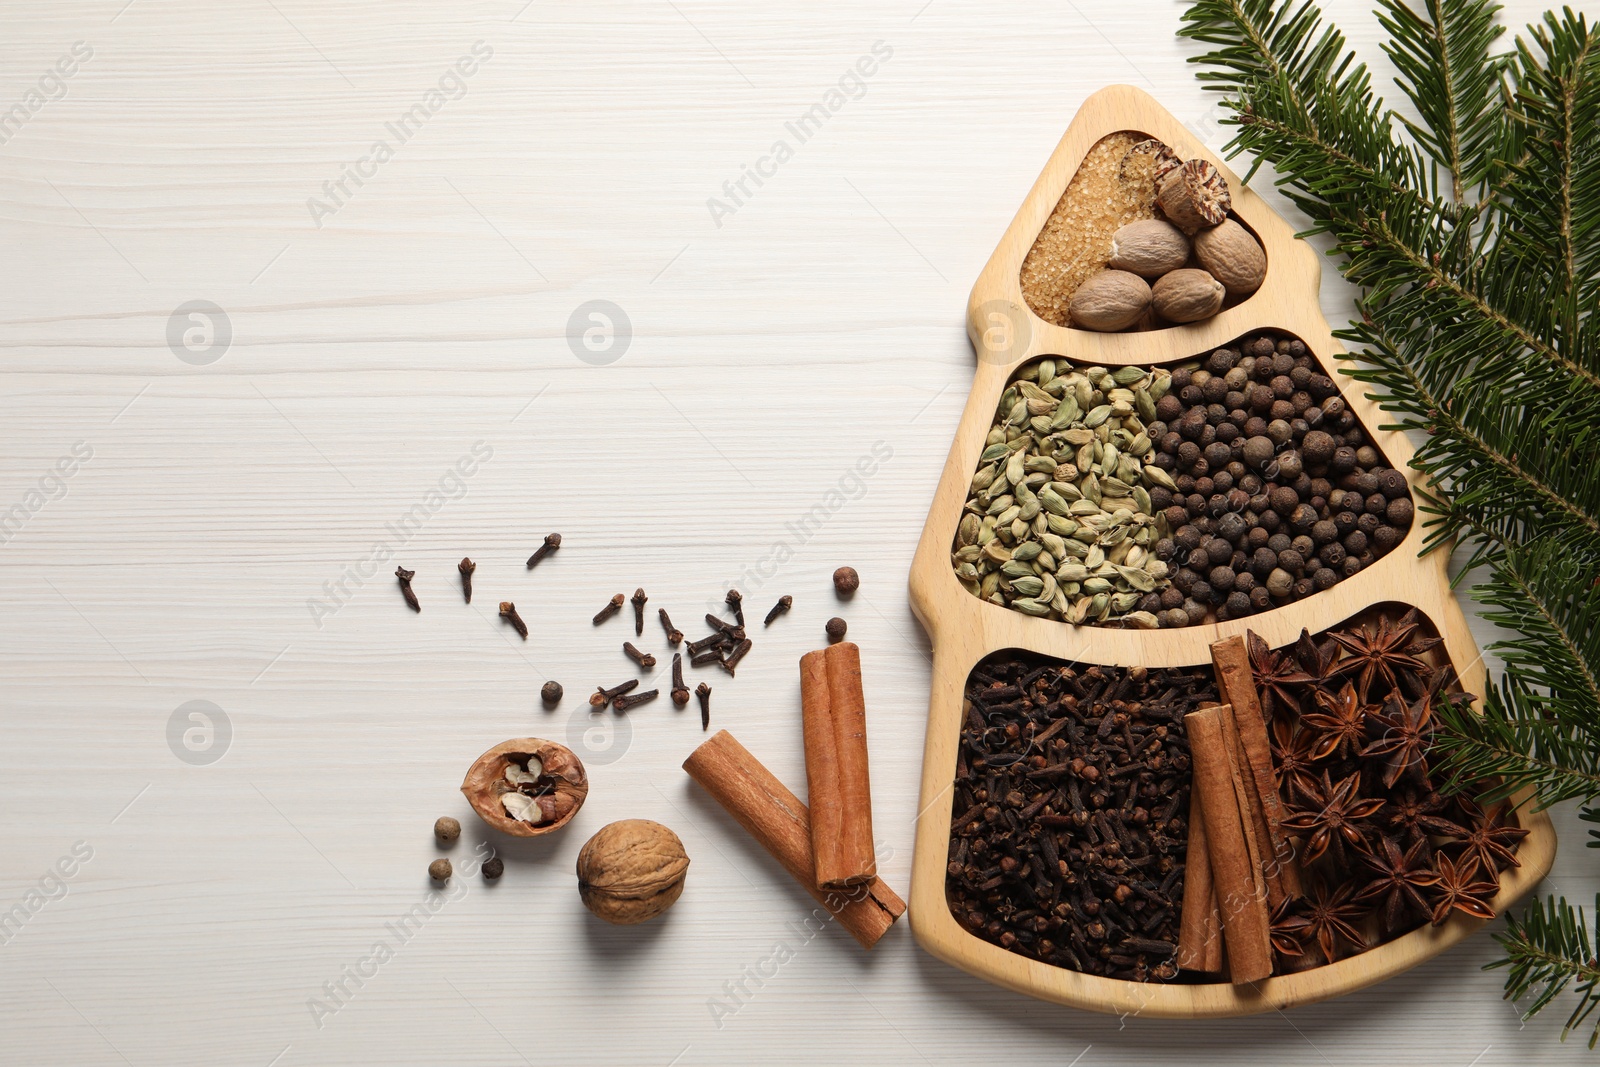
[(674, 635), (623, 703), (551, 543), (466, 567), (716, 640), (732, 629), (680, 692), (705, 656), (643, 659), (703, 691), (601, 697), (735, 600), (405, 577), (780, 608), (611, 608), (508, 612), (731, 660), (638, 611)]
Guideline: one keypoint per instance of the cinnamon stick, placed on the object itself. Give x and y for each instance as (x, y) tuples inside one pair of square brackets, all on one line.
[(1200, 929), (1238, 883), (774, 816), (1231, 659), (833, 714)]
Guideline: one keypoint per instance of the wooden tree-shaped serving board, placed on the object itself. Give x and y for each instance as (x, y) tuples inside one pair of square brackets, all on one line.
[(964, 629)]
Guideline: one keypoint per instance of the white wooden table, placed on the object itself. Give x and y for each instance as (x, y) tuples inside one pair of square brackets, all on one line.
[(244, 480)]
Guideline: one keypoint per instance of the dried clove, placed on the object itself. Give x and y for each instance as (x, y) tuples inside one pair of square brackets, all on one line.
[(731, 660), (638, 611), (612, 607), (703, 691), (551, 543), (705, 656), (780, 608), (680, 692), (732, 629), (601, 697), (716, 640), (735, 600), (466, 567), (674, 635), (643, 659), (508, 612), (405, 577), (623, 703)]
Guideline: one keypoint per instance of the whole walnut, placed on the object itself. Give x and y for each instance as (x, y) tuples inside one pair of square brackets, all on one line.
[(631, 871)]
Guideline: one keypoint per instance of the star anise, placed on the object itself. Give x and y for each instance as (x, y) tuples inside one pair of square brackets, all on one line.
[(1341, 725), (1316, 660), (1398, 882), (1416, 815), (1278, 677), (1385, 653), (1489, 837), (1328, 918), (1291, 751), (1462, 887), (1405, 734), (1286, 929), (1333, 817)]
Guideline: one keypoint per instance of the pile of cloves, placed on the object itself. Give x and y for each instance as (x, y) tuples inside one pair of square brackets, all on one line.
[(1070, 825)]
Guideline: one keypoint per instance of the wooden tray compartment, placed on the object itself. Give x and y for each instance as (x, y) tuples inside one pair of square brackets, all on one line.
[(963, 629)]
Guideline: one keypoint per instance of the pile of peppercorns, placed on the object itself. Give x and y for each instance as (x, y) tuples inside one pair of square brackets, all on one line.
[(1278, 493)]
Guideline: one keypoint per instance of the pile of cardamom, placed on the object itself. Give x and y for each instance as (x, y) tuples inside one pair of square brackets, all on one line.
[(1058, 521)]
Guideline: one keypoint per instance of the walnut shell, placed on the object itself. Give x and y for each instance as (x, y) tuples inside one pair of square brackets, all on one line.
[(631, 871), (486, 782), (1195, 196), (1110, 300), (1233, 256), (1149, 248), (1187, 295)]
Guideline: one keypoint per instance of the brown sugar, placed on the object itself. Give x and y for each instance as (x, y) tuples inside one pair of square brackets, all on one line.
[(1115, 185)]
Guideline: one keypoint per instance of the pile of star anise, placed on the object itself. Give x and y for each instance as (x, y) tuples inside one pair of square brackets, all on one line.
[(1381, 850)]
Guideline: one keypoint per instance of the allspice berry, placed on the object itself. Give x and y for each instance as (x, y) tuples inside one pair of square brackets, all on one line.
[(439, 870), (551, 693), (836, 628), (493, 868), (446, 829), (846, 581), (631, 871)]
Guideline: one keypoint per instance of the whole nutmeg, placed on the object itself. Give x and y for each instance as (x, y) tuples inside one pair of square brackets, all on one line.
[(1195, 195), (439, 870), (1149, 248), (446, 829), (846, 581), (631, 871), (1233, 256), (1187, 295), (1110, 300)]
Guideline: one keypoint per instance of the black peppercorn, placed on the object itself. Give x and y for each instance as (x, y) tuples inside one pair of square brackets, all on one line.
[(551, 692), (493, 868)]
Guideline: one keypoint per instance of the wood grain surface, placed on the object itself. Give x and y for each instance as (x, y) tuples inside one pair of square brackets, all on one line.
[(403, 385)]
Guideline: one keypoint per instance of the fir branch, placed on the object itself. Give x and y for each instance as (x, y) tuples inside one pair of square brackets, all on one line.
[(1550, 948), (1453, 80)]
